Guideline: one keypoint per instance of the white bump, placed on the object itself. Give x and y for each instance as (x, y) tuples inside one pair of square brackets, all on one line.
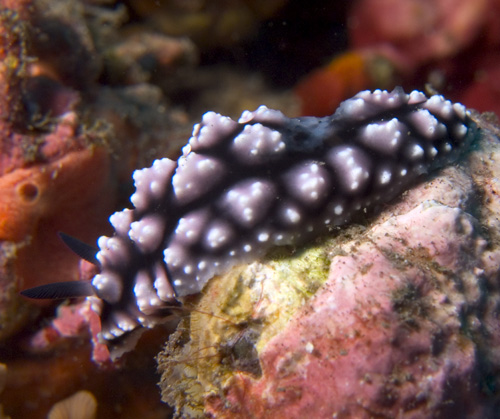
[(403, 172), (247, 248), (147, 233), (162, 285), (439, 106), (248, 201), (121, 221), (213, 128), (248, 215), (292, 215), (447, 147), (219, 233), (263, 237), (108, 286), (385, 177), (196, 130), (355, 108), (112, 251), (262, 114), (115, 333), (459, 110), (124, 322), (338, 209), (447, 109), (174, 255), (190, 226), (426, 123), (151, 182), (257, 143), (195, 175), (416, 97), (383, 136), (351, 165), (416, 151), (460, 130), (178, 282), (307, 182), (145, 295)]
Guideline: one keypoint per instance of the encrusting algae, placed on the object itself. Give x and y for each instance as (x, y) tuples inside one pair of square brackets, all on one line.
[(231, 321)]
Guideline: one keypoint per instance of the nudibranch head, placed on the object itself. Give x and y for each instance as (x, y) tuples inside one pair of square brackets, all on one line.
[(241, 187)]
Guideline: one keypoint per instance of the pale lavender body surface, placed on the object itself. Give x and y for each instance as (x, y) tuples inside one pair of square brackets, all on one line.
[(243, 187)]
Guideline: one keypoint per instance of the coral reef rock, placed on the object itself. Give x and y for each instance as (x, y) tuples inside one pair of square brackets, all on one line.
[(398, 317)]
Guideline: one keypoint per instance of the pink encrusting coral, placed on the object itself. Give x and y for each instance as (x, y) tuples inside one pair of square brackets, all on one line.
[(379, 338), (405, 325)]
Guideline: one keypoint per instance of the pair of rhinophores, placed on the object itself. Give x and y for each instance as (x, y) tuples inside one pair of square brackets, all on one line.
[(242, 187)]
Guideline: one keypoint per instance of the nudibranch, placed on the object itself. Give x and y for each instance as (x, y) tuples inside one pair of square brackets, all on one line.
[(242, 187)]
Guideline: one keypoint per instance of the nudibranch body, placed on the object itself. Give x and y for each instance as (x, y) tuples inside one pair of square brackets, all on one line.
[(241, 187)]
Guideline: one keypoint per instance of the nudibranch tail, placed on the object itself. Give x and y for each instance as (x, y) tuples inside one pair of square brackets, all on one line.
[(241, 187)]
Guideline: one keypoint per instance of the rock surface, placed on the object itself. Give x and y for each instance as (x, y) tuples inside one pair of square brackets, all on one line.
[(396, 318)]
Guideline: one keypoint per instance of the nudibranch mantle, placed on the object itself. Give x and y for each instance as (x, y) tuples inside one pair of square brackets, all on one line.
[(242, 187)]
